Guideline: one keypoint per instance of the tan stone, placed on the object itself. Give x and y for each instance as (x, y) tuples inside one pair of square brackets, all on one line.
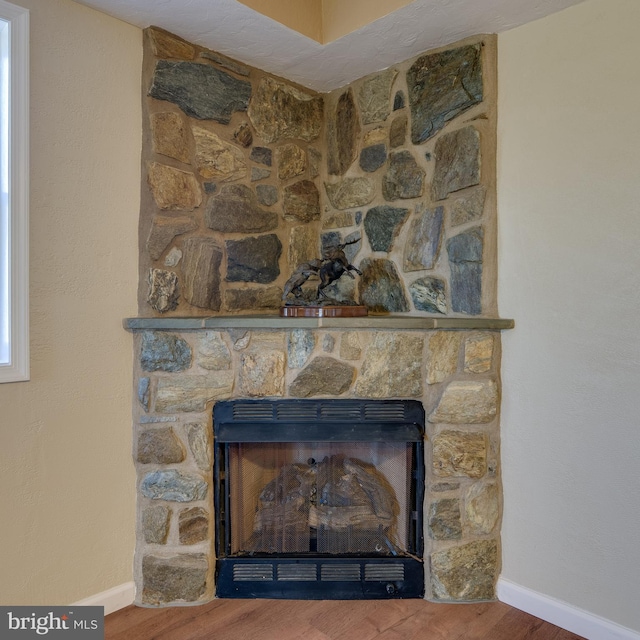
[(164, 229), (252, 299), (444, 348), (467, 572), (467, 402), (350, 192), (315, 162), (192, 393), (262, 373), (375, 136), (193, 525), (155, 524), (166, 45), (392, 367), (324, 376), (482, 507), (291, 160), (338, 219), (216, 158), (350, 347), (177, 578), (170, 136), (159, 446), (460, 454), (303, 245), (213, 352), (174, 189), (478, 353), (199, 437)]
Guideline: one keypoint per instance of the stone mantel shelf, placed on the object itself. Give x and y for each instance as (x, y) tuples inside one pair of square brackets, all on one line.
[(394, 322)]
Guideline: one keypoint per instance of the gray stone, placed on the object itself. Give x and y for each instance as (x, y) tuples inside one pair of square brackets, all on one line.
[(300, 345), (252, 299), (380, 286), (243, 135), (173, 257), (343, 131), (404, 178), (235, 210), (173, 188), (164, 229), (457, 162), (278, 110), (163, 290), (461, 454), (167, 45), (162, 351), (192, 393), (193, 525), (482, 508), (330, 239), (173, 486), (199, 439), (263, 155), (181, 578), (392, 366), (374, 96), (441, 487), (259, 173), (217, 159), (144, 392), (467, 402), (428, 295), (465, 260), (468, 207), (267, 194), (444, 520), (324, 376), (155, 524), (253, 259), (382, 224), (170, 136), (159, 446), (354, 244), (399, 101), (464, 573), (372, 158), (441, 86), (301, 201), (213, 352), (156, 419), (398, 131), (200, 90), (227, 63), (262, 373), (292, 161), (328, 343), (350, 192), (423, 241), (201, 272)]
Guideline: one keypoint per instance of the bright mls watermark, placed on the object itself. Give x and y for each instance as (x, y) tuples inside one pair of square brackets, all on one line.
[(27, 623)]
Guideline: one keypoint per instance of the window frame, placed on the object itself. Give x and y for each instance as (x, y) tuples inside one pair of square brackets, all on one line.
[(16, 369)]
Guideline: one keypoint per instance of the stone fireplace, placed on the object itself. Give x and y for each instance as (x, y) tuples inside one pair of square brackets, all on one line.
[(247, 176)]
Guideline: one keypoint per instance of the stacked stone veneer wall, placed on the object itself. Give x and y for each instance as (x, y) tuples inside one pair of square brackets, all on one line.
[(246, 176), (180, 375)]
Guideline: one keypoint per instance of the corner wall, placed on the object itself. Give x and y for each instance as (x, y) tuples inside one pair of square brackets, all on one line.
[(68, 485), (569, 230)]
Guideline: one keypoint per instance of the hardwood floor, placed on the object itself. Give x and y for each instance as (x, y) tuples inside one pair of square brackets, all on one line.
[(330, 620)]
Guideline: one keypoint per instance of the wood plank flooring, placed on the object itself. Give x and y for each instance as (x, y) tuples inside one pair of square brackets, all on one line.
[(330, 620)]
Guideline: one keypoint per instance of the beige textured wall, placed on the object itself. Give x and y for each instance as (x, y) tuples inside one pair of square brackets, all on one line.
[(568, 194), (66, 478)]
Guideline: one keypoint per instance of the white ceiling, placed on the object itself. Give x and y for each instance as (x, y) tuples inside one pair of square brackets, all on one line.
[(231, 28)]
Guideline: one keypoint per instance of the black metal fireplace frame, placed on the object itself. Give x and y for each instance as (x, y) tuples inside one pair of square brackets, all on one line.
[(317, 575)]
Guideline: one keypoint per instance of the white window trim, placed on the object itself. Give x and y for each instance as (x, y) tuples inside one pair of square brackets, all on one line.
[(18, 23)]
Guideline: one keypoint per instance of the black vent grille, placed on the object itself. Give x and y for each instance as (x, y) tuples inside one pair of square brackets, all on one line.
[(340, 572), (252, 411), (253, 572), (302, 572), (383, 572)]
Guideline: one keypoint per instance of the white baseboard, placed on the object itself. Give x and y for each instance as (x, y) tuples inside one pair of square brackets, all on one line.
[(561, 614), (112, 599)]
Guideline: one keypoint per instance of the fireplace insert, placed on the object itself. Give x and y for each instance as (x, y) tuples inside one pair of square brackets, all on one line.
[(319, 499)]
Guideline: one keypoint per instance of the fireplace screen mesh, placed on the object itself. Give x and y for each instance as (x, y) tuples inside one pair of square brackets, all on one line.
[(334, 498)]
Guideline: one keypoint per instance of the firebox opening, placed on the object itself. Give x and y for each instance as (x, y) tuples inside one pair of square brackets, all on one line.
[(319, 498)]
